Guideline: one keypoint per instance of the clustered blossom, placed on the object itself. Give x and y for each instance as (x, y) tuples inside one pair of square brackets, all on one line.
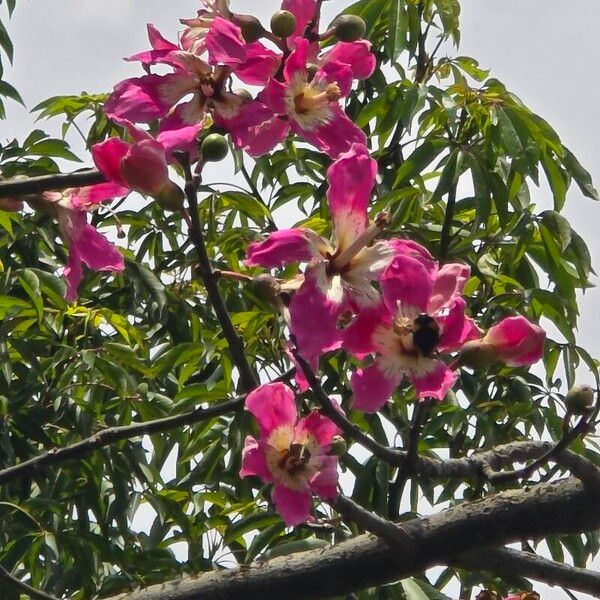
[(385, 300)]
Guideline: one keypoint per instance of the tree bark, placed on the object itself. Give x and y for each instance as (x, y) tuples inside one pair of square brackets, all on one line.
[(365, 561)]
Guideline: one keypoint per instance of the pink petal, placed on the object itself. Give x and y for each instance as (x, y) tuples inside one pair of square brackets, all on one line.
[(143, 99), (285, 246), (107, 157), (303, 10), (314, 311), (161, 47), (95, 194), (408, 281), (324, 483), (358, 337), (263, 138), (260, 65), (321, 427), (456, 327), (225, 43), (433, 379), (273, 405), (174, 134), (449, 283), (351, 180), (411, 248), (254, 461), (336, 72), (73, 274), (336, 136), (294, 507), (144, 168), (297, 60), (274, 96), (357, 55), (517, 341), (299, 377), (372, 387)]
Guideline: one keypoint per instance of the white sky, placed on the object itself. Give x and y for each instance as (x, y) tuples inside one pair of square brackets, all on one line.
[(545, 51)]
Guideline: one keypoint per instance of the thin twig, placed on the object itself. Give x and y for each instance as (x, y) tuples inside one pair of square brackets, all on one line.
[(234, 341), (25, 588), (390, 455)]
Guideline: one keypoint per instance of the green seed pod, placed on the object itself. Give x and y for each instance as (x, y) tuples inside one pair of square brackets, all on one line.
[(579, 399), (171, 198), (266, 288), (283, 23), (214, 147), (520, 390), (349, 28), (252, 29), (339, 447)]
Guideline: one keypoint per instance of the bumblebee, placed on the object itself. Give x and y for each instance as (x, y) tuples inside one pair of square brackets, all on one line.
[(426, 334)]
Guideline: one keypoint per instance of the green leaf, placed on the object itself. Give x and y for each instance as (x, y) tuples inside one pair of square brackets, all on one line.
[(418, 161), (579, 174), (559, 226), (56, 148), (398, 29)]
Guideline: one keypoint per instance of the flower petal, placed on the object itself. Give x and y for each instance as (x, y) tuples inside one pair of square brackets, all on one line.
[(285, 246), (91, 195), (351, 180), (408, 281), (314, 312), (107, 157), (357, 55), (432, 378), (324, 483), (358, 337), (335, 136), (517, 341), (449, 283), (372, 387), (320, 426), (456, 327), (161, 47), (225, 43), (260, 65), (294, 507), (254, 461), (273, 405)]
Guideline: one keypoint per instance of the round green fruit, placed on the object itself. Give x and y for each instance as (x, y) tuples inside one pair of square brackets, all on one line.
[(349, 28), (214, 147), (283, 23), (580, 399)]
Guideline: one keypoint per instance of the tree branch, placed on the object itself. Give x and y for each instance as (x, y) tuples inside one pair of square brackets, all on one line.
[(60, 181), (33, 593), (508, 562), (113, 435), (545, 509), (236, 345)]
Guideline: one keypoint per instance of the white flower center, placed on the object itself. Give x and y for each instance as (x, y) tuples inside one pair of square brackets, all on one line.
[(309, 102)]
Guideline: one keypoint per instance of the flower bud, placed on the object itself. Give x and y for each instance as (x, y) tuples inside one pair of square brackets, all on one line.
[(252, 29), (349, 28), (266, 288), (339, 447), (283, 23), (170, 198), (214, 147), (580, 399)]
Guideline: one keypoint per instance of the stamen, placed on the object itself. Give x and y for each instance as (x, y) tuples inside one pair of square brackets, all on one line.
[(305, 102), (362, 241)]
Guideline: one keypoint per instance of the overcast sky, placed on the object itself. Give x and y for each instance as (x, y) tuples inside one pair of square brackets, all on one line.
[(545, 51)]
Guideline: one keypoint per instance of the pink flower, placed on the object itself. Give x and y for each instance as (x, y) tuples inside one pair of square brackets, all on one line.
[(423, 314), (515, 341), (307, 105), (193, 38), (142, 166), (292, 454), (340, 272), (86, 244)]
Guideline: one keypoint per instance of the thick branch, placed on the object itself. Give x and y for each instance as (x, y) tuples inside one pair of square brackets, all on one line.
[(507, 562), (236, 346), (60, 181), (113, 435), (365, 561)]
